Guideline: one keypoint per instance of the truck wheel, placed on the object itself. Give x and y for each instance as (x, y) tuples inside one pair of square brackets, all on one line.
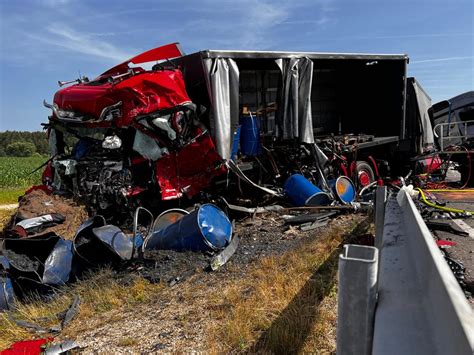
[(365, 174)]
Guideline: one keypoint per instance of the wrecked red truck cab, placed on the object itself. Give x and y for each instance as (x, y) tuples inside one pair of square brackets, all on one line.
[(130, 133)]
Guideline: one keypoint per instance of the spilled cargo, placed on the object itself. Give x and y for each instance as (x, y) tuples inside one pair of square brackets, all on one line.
[(163, 152)]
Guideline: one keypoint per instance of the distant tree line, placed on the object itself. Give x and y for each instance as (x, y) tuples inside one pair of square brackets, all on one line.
[(23, 144)]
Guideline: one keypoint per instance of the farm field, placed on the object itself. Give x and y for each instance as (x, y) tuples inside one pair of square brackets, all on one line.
[(15, 176)]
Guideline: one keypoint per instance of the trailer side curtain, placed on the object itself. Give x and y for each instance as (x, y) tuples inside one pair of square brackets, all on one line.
[(424, 103), (224, 77), (294, 119)]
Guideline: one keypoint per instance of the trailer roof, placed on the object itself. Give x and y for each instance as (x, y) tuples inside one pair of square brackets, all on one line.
[(212, 53)]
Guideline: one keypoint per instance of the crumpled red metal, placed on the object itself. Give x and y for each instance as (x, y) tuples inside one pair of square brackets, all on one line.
[(140, 94), (190, 170), (168, 51), (30, 347)]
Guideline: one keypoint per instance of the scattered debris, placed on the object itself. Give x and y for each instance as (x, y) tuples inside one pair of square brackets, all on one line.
[(39, 203), (308, 218), (71, 312), (133, 144), (40, 346), (220, 259), (61, 348), (64, 318), (33, 347), (38, 224)]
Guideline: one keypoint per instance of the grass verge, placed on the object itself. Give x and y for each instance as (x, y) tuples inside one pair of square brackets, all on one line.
[(287, 304), (99, 294), (280, 304), (10, 195), (5, 216)]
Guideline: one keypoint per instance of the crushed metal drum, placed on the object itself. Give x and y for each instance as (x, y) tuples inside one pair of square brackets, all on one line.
[(303, 193), (344, 189), (57, 267), (205, 229)]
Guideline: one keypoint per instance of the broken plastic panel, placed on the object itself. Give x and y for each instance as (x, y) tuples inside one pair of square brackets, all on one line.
[(67, 165)]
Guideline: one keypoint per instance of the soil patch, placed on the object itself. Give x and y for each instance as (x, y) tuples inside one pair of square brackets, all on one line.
[(21, 261), (38, 203)]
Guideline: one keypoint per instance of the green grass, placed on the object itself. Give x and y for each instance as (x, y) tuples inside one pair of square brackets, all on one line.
[(15, 172), (8, 196), (15, 177)]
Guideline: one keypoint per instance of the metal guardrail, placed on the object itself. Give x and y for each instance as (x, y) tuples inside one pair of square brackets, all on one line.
[(357, 299), (442, 137), (421, 308)]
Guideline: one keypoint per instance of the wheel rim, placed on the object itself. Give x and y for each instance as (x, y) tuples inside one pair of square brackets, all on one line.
[(364, 178)]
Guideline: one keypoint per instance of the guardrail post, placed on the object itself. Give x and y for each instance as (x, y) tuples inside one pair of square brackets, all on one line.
[(380, 201), (357, 295)]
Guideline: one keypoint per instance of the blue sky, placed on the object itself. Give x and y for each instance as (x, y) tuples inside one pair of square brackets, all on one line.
[(45, 41)]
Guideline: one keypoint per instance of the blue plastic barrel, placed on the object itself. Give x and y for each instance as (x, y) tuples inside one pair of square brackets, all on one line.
[(235, 143), (206, 228), (250, 135), (303, 193), (344, 189)]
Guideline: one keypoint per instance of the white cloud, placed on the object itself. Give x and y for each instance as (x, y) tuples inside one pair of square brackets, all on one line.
[(263, 17), (446, 59), (248, 24), (61, 35)]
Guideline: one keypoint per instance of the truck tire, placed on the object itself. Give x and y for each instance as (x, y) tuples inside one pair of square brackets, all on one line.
[(365, 174)]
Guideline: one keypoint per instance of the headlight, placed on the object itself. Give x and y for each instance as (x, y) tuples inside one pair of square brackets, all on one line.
[(60, 113), (65, 114)]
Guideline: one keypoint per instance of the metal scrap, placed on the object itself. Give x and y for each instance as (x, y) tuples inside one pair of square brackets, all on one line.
[(61, 348), (71, 312), (313, 225), (64, 317), (446, 227), (223, 257), (308, 218)]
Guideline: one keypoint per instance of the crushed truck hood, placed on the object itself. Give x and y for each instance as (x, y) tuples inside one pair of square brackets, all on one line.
[(139, 94)]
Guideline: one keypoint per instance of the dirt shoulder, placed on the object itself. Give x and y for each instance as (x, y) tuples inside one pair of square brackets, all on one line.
[(275, 272)]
